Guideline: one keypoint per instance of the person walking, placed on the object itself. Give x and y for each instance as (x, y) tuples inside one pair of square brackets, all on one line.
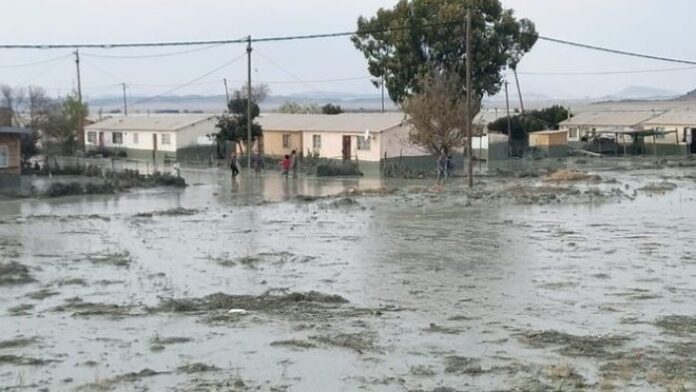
[(234, 165), (258, 164), (293, 163), (442, 168), (285, 166)]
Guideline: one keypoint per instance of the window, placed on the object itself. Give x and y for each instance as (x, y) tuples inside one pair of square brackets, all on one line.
[(659, 133), (4, 156), (92, 137), (166, 139), (316, 141), (573, 134), (135, 137), (363, 144), (117, 138), (287, 141)]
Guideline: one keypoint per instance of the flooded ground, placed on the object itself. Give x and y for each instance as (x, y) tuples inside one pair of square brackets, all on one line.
[(528, 283)]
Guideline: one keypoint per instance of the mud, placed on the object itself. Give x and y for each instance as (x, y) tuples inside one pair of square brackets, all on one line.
[(565, 175), (572, 345), (521, 284), (14, 273)]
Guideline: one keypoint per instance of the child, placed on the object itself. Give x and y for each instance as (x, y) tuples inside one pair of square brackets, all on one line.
[(285, 165)]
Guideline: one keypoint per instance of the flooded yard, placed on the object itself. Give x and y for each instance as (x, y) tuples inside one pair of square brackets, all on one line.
[(559, 283)]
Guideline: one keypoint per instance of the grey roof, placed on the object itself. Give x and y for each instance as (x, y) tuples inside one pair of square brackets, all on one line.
[(675, 117), (611, 118), (173, 122), (345, 122), (15, 130)]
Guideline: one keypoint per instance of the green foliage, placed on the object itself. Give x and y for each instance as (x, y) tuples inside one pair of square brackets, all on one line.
[(299, 108), (330, 169), (331, 109), (429, 34), (532, 121), (233, 126)]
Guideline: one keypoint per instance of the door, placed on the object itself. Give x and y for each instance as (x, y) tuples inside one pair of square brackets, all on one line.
[(691, 139), (154, 146), (346, 148), (101, 139)]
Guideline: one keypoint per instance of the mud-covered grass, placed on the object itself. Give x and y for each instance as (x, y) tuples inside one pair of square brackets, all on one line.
[(294, 343), (18, 342), (14, 273), (565, 175), (178, 211), (116, 259), (459, 365), (20, 360), (677, 324), (267, 302), (78, 307), (573, 345), (359, 342)]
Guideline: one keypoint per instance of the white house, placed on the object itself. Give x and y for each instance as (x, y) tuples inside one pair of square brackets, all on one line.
[(674, 132), (585, 125), (152, 136)]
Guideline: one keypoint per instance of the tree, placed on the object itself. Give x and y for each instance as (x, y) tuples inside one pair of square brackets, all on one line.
[(331, 109), (59, 122), (406, 42), (233, 126), (12, 98), (298, 108), (259, 92), (437, 114), (536, 120)]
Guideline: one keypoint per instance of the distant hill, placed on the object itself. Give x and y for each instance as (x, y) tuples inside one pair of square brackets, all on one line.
[(690, 96), (640, 93), (216, 103)]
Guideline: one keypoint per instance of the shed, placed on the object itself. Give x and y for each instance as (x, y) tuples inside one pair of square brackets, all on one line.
[(554, 143)]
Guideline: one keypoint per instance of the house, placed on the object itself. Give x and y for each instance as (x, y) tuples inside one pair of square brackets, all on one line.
[(674, 133), (587, 125), (154, 136), (553, 143), (368, 137), (10, 155)]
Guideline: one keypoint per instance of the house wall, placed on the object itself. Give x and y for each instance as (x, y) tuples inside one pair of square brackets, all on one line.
[(394, 143), (677, 137), (11, 142), (332, 145), (187, 137), (548, 139), (145, 140), (273, 143)]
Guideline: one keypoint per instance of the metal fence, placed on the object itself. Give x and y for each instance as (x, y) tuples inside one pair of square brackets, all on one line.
[(109, 164)]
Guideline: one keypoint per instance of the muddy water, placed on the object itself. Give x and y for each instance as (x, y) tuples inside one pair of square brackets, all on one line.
[(445, 289)]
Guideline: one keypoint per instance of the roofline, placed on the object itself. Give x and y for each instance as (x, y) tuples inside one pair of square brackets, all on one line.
[(97, 127)]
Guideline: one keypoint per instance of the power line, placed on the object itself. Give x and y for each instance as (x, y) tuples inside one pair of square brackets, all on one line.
[(148, 56), (216, 69), (628, 72), (53, 60), (615, 51), (292, 75)]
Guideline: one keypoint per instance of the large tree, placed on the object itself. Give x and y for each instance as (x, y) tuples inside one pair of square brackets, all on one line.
[(233, 125), (406, 42)]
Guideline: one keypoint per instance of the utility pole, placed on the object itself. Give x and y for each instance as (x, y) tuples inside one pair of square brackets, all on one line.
[(469, 92), (249, 122), (227, 93), (519, 91), (80, 131), (509, 127), (125, 101)]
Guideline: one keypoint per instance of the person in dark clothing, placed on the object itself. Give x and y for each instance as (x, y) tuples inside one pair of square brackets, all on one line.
[(234, 165)]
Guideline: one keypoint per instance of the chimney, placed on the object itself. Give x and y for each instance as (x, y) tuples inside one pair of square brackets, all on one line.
[(5, 117)]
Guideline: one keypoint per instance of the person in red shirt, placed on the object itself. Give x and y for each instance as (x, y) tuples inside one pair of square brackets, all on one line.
[(285, 165)]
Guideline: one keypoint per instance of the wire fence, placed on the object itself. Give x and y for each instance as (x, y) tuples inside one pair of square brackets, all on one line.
[(105, 165)]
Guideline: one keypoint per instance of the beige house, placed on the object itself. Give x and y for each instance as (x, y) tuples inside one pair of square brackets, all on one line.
[(553, 143), (674, 132), (590, 124), (364, 136)]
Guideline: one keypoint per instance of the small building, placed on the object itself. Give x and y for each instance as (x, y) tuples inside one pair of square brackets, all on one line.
[(674, 133), (363, 136), (10, 155), (585, 126), (154, 137), (553, 143)]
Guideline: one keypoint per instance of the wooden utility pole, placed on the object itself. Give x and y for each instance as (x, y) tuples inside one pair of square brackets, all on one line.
[(249, 122), (469, 92), (80, 124), (509, 127), (125, 101), (227, 94), (519, 91)]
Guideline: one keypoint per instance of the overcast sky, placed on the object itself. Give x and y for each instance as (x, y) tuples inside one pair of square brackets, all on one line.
[(657, 27)]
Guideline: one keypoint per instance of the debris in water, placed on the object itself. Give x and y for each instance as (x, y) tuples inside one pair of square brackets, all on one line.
[(14, 273)]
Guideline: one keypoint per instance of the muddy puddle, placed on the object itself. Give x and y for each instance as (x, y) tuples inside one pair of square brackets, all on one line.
[(575, 280)]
